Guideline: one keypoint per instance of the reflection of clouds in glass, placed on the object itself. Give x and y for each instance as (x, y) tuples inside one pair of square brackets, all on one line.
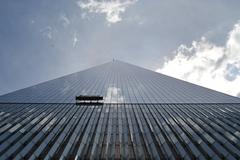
[(114, 95), (66, 87), (83, 92)]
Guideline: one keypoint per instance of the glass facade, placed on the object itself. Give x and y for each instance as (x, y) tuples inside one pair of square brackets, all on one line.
[(142, 131), (145, 115), (118, 82)]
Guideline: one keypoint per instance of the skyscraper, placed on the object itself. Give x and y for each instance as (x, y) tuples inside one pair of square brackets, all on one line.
[(143, 115)]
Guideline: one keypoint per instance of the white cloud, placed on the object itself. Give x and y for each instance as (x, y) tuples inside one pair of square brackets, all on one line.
[(47, 32), (75, 40), (207, 64), (32, 21), (65, 20), (111, 8)]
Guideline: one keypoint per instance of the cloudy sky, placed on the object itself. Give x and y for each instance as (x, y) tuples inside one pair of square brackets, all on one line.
[(197, 41)]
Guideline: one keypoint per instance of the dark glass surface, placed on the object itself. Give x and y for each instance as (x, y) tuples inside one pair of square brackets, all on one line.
[(151, 131)]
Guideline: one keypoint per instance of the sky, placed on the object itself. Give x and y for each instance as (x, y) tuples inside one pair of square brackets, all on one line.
[(196, 41)]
